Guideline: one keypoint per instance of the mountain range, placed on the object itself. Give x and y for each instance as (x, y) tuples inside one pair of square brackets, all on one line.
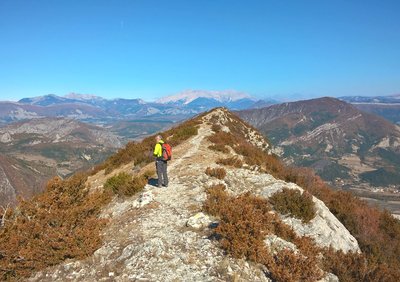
[(95, 109), (385, 106)]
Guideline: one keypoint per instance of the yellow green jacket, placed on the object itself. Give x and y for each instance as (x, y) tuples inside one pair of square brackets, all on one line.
[(158, 149)]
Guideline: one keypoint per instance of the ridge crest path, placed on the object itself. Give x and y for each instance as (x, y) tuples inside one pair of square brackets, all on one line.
[(154, 243)]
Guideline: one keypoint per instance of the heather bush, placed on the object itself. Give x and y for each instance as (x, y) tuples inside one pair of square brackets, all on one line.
[(123, 184), (348, 267), (61, 223), (118, 183), (219, 173), (231, 161), (288, 266), (295, 203)]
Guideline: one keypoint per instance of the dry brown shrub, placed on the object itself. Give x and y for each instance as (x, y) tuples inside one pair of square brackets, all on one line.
[(290, 267), (223, 138), (252, 155), (295, 203), (216, 127), (59, 224), (219, 173), (239, 221), (219, 148), (348, 267), (231, 161), (244, 223)]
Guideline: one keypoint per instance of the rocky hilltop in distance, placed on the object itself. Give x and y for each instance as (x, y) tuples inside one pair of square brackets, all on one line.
[(33, 151), (340, 142), (232, 211)]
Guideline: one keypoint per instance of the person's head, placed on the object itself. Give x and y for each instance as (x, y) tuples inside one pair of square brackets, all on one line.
[(158, 138)]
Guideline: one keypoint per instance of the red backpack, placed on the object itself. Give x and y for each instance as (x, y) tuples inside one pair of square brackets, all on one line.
[(166, 152)]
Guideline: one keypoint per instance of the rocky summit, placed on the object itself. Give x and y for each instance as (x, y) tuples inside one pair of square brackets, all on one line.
[(163, 234)]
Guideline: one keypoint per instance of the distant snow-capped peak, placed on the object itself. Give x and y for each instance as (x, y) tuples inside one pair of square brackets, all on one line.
[(77, 96), (188, 96)]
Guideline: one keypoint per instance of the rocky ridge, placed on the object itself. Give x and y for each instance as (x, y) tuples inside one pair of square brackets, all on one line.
[(154, 236)]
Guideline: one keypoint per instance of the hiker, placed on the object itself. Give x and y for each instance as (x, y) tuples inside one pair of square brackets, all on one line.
[(161, 162)]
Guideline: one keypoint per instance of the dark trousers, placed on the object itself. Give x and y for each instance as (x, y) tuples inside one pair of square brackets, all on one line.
[(161, 167)]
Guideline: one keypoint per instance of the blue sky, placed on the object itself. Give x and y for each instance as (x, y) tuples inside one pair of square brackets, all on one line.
[(148, 49)]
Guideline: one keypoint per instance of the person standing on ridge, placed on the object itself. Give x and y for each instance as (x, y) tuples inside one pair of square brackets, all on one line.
[(161, 162)]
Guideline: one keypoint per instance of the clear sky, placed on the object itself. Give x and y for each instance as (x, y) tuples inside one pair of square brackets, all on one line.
[(148, 49)]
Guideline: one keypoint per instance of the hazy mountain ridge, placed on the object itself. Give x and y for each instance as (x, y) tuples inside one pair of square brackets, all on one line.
[(92, 108), (372, 99), (333, 137), (385, 106)]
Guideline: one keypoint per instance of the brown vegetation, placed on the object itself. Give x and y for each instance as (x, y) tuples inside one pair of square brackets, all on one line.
[(58, 224), (216, 127), (123, 184), (219, 173), (244, 223), (219, 148), (294, 203), (231, 161)]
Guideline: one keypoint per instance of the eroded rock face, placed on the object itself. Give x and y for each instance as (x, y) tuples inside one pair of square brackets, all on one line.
[(325, 228), (162, 235)]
